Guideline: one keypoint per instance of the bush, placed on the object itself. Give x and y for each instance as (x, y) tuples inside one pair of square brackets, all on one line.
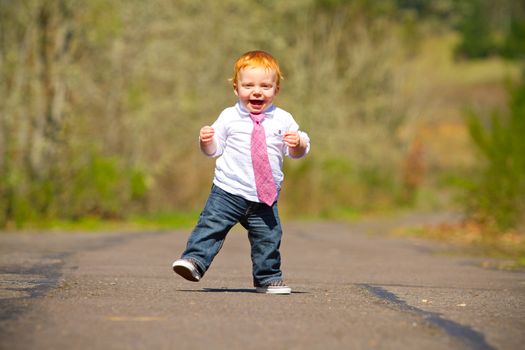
[(100, 186), (496, 195), (476, 39)]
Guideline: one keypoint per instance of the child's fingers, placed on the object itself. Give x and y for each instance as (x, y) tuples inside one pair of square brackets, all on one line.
[(206, 134), (207, 131), (291, 139)]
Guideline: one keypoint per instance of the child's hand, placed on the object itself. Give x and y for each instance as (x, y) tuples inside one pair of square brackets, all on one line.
[(206, 135), (292, 139)]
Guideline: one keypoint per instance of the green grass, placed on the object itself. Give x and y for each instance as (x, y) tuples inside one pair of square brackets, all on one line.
[(167, 220), (147, 222), (343, 213), (437, 60)]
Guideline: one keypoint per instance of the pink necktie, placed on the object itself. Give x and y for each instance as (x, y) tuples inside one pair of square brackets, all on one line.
[(266, 189)]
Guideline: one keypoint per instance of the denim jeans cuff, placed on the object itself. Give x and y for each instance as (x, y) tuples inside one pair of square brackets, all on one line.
[(268, 281), (200, 265)]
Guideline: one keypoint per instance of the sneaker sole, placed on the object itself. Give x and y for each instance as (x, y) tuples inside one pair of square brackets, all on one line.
[(185, 270), (265, 290)]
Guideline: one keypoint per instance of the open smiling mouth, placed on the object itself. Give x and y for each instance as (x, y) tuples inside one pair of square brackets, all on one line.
[(256, 103)]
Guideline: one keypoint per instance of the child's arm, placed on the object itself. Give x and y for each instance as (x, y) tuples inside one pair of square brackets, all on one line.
[(206, 140), (296, 144)]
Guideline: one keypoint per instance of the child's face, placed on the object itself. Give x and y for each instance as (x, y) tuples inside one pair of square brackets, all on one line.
[(256, 88)]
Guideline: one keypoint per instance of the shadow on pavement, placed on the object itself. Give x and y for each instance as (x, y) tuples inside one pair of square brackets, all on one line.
[(228, 290)]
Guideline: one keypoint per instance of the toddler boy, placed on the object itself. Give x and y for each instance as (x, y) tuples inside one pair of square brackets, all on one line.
[(250, 140)]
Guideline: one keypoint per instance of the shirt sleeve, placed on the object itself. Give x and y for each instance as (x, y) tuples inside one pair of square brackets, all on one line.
[(293, 126)]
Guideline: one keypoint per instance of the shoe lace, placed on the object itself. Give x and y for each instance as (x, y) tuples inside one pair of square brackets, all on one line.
[(277, 283)]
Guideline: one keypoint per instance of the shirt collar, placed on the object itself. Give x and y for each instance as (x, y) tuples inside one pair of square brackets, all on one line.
[(245, 113)]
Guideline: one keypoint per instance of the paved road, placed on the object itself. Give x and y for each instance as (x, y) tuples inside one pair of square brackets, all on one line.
[(353, 289)]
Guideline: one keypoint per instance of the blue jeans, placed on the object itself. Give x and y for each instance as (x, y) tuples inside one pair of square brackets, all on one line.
[(222, 211)]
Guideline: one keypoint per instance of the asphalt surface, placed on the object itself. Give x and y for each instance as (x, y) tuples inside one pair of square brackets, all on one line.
[(354, 287)]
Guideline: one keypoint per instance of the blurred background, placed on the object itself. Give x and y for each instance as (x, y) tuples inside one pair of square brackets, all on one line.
[(411, 105)]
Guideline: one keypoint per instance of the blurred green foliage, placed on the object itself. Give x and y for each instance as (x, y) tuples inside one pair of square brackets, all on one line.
[(513, 46), (496, 193), (476, 36), (102, 100), (488, 28)]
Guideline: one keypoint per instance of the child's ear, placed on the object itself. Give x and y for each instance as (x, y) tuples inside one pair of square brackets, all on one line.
[(277, 89), (235, 90)]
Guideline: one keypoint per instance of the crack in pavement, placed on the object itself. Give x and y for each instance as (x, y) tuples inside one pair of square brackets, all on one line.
[(472, 338), (34, 278), (28, 282)]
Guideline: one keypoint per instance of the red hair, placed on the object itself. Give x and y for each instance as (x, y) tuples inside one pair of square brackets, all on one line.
[(256, 59)]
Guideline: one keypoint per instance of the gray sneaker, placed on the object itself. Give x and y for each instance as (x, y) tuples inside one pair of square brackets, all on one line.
[(187, 269), (275, 287)]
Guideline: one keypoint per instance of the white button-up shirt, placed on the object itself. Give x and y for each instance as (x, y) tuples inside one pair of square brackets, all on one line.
[(233, 129)]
